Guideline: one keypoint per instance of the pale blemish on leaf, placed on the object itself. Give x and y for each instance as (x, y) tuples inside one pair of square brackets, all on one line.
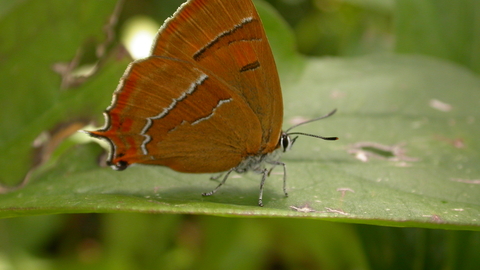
[(467, 181), (336, 211), (364, 151), (304, 209), (439, 105), (345, 190), (434, 218)]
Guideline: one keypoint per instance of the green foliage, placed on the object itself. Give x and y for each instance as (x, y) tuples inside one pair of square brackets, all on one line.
[(408, 153), (441, 28)]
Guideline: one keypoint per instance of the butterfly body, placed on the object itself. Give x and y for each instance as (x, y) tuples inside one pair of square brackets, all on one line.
[(207, 100)]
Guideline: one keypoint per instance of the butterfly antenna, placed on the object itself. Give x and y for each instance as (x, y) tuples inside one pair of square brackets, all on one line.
[(312, 135)]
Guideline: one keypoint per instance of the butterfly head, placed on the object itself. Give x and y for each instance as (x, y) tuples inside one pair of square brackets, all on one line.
[(286, 141)]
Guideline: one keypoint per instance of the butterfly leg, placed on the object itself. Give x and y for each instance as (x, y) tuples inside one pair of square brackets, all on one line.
[(219, 185), (275, 163), (264, 173)]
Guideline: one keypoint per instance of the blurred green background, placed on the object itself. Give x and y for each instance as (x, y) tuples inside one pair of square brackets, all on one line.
[(448, 30)]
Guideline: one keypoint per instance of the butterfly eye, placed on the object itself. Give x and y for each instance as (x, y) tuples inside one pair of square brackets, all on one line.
[(287, 142)]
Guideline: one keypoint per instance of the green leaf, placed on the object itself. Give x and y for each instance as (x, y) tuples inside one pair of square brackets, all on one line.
[(407, 154), (441, 28)]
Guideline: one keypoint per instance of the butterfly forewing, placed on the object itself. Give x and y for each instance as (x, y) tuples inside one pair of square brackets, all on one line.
[(226, 39)]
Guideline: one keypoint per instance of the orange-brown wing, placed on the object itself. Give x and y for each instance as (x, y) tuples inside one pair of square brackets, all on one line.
[(168, 112), (226, 39)]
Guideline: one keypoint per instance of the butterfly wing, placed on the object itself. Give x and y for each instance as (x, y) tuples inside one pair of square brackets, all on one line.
[(207, 97)]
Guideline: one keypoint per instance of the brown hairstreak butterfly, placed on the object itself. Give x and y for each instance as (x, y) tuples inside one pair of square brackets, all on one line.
[(207, 100)]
